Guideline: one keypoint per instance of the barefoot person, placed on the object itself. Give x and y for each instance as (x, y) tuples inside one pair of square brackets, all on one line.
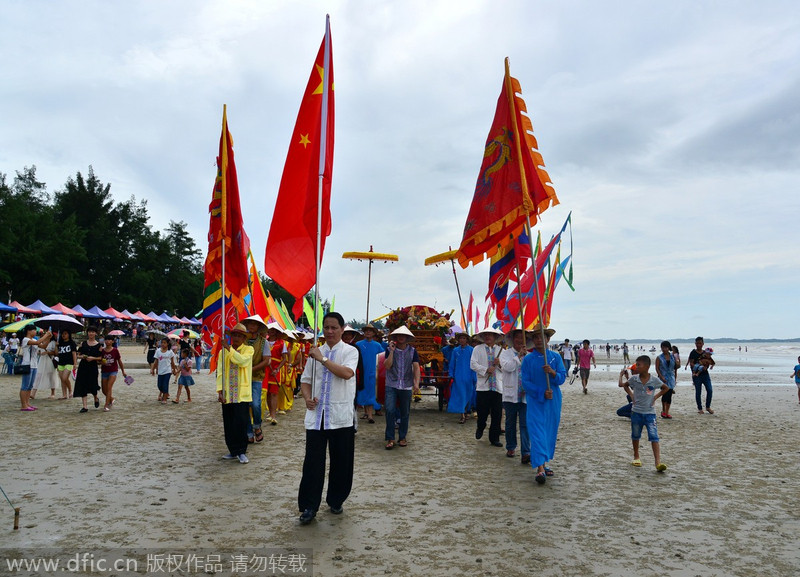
[(585, 362), (328, 385), (540, 368), (666, 365), (645, 390), (700, 375), (111, 365), (796, 375)]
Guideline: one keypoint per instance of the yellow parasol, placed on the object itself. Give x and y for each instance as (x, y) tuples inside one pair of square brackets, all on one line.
[(441, 258), (370, 256)]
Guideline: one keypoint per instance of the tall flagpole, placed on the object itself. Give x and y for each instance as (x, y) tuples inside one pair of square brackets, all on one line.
[(526, 201), (223, 216), (326, 66)]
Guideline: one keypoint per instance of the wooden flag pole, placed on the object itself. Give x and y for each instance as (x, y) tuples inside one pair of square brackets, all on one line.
[(527, 205)]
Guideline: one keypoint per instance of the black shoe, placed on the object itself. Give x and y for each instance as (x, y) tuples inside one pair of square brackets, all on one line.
[(307, 516), (497, 444), (96, 403), (478, 433), (84, 410), (541, 478), (336, 510)]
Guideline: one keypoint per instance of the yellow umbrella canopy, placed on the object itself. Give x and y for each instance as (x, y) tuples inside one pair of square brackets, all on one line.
[(370, 256)]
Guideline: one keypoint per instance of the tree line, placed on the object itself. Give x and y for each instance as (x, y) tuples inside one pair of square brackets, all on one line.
[(79, 246)]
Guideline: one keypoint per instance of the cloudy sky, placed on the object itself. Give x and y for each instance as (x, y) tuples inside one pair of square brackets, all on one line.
[(671, 131)]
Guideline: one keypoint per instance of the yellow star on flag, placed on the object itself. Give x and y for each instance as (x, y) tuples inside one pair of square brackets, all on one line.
[(304, 140)]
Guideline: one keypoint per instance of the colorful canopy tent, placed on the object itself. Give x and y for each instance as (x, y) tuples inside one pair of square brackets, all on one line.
[(64, 310), (116, 314), (87, 313), (132, 316), (43, 308), (101, 314), (4, 308), (154, 316), (23, 309), (144, 317), (195, 322), (174, 319), (185, 321), (165, 318)]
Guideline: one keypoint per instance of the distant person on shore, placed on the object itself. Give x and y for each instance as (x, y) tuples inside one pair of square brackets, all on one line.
[(700, 375), (585, 361), (796, 375), (566, 353), (677, 354), (625, 356), (608, 351), (665, 369), (642, 387)]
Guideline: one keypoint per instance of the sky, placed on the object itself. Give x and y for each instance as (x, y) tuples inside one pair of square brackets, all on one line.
[(671, 132)]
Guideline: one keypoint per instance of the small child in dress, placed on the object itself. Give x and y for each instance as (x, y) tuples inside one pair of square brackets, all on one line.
[(702, 364), (185, 379), (642, 389), (796, 375)]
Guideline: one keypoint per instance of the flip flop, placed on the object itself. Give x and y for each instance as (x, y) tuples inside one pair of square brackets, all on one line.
[(28, 409), (661, 467), (541, 478), (548, 471), (402, 443), (389, 445), (259, 435), (636, 462)]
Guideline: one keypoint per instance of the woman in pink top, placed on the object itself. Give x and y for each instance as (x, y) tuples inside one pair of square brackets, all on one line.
[(110, 365), (585, 358)]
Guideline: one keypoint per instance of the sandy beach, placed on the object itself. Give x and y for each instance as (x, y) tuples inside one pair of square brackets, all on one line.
[(149, 478)]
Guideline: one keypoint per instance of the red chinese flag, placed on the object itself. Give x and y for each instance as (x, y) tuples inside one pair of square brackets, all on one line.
[(512, 184), (291, 246), (225, 224)]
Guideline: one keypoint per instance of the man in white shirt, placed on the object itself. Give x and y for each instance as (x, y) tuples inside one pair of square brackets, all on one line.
[(566, 353), (328, 385), (485, 361)]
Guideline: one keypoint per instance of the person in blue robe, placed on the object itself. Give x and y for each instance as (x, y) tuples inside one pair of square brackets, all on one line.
[(464, 378), (370, 349), (544, 413)]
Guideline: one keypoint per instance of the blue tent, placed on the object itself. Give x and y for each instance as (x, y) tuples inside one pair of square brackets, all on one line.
[(86, 314), (43, 308), (4, 308), (100, 313)]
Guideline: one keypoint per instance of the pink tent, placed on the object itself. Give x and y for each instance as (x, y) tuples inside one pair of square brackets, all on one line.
[(115, 313), (144, 317), (23, 309), (66, 310)]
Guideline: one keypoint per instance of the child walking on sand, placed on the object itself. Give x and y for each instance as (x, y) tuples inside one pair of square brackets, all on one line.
[(796, 375), (185, 379), (164, 361), (642, 389)]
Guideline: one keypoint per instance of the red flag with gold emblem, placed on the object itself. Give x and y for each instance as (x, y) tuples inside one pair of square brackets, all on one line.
[(512, 184), (291, 246)]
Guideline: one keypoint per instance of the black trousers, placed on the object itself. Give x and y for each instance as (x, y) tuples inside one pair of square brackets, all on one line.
[(235, 418), (341, 445), (490, 403)]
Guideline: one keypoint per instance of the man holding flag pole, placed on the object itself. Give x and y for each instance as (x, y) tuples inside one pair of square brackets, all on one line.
[(300, 224)]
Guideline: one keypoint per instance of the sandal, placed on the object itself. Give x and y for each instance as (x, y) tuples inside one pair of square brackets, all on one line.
[(709, 411), (548, 471), (389, 445), (636, 462), (364, 416), (402, 443), (371, 421), (541, 478), (462, 420), (259, 435)]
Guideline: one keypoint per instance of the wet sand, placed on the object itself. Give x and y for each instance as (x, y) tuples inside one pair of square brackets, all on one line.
[(149, 477)]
